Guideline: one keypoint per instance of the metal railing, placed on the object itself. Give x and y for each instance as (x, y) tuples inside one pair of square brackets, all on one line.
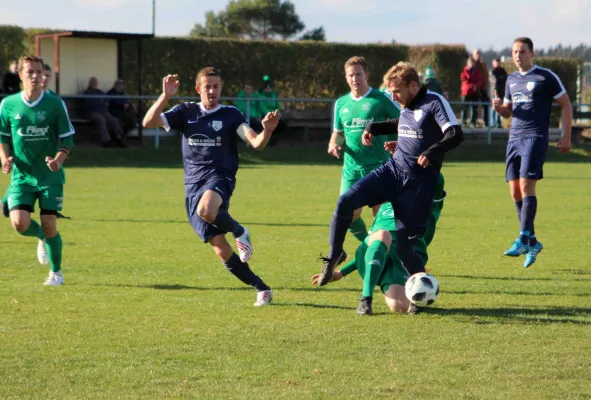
[(489, 130)]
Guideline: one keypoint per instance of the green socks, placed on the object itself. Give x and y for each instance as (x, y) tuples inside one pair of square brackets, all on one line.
[(34, 230), (375, 260), (54, 251), (358, 229)]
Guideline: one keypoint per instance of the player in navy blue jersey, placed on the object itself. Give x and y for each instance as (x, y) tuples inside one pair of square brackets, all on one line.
[(209, 134), (529, 93), (427, 129)]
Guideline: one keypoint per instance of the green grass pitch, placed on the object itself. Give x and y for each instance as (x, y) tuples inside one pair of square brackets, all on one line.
[(148, 311)]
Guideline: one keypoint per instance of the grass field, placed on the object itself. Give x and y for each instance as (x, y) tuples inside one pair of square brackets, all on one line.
[(148, 312)]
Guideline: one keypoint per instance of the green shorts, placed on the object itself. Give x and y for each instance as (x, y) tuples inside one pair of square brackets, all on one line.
[(352, 176), (393, 274), (50, 197)]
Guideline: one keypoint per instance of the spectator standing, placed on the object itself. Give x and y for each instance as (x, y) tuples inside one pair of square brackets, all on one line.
[(256, 115), (471, 81), (95, 109), (498, 78), (10, 80), (432, 83), (483, 89), (270, 104)]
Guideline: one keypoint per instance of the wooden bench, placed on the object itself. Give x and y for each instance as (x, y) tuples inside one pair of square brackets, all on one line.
[(306, 120)]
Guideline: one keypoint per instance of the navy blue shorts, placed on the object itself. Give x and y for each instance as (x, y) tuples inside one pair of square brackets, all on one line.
[(204, 229), (411, 195), (525, 158)]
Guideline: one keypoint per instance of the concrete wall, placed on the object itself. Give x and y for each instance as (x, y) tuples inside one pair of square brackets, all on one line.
[(80, 59)]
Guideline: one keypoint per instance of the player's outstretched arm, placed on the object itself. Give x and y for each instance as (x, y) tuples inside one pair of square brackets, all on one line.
[(259, 142), (564, 144), (170, 86)]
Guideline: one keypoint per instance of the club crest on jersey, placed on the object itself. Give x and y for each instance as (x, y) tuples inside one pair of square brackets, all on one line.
[(366, 107), (530, 86), (216, 125), (418, 115), (40, 116)]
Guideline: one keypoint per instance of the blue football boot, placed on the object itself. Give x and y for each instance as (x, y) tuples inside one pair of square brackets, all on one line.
[(531, 255)]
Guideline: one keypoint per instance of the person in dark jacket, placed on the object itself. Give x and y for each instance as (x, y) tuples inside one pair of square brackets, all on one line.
[(95, 109), (498, 80), (11, 81), (121, 108)]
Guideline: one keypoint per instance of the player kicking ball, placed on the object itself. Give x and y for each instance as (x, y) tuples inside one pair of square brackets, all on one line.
[(38, 126), (378, 264), (210, 155)]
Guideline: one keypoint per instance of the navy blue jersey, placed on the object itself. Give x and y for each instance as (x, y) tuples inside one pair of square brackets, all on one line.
[(420, 126), (531, 93), (209, 140)]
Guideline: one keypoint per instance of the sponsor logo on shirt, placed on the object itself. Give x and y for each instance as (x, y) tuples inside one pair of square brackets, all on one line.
[(33, 132), (513, 84), (358, 123), (200, 140), (519, 97), (407, 131), (18, 116)]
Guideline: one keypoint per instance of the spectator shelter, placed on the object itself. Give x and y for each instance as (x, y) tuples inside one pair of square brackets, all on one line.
[(75, 56)]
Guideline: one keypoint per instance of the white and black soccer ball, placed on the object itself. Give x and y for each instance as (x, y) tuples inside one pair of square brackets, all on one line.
[(422, 289)]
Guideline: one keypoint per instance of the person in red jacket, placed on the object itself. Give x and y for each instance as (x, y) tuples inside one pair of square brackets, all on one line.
[(471, 81)]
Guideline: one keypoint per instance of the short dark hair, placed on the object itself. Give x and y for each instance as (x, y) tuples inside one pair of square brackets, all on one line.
[(28, 59), (525, 40), (498, 59), (207, 71), (47, 67)]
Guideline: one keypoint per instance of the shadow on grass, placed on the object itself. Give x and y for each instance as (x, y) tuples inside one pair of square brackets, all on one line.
[(509, 278), (175, 286), (286, 153), (517, 293), (164, 221), (541, 315), (312, 305)]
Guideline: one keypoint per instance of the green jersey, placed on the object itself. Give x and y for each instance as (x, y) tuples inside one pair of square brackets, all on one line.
[(351, 115), (35, 129)]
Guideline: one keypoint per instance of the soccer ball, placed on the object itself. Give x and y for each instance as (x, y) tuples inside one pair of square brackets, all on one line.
[(422, 289)]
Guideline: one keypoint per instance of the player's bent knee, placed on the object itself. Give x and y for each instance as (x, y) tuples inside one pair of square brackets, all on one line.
[(207, 213), (345, 205), (20, 222), (383, 236), (357, 213)]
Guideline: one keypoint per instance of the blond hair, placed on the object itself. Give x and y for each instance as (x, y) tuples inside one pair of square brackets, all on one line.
[(29, 59), (357, 60), (208, 71), (403, 72)]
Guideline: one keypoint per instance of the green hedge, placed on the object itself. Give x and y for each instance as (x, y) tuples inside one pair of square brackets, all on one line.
[(447, 61), (298, 69)]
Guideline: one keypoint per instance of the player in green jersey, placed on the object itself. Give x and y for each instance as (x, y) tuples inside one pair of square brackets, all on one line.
[(40, 130), (351, 113), (44, 85), (378, 264)]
